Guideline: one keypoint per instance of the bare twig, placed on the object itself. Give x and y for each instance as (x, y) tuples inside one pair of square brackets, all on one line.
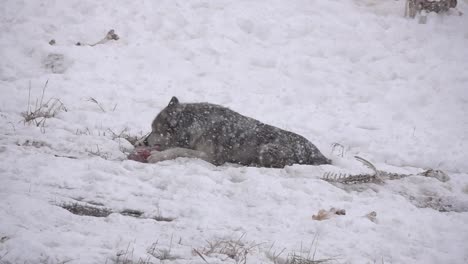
[(91, 99), (43, 91), (200, 255), (341, 149)]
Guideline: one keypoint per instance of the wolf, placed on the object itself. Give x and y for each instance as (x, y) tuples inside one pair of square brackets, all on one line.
[(220, 135)]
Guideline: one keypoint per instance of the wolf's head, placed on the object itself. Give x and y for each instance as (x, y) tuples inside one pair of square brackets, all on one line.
[(163, 128)]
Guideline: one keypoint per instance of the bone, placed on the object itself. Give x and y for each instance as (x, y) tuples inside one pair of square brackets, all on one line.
[(111, 35)]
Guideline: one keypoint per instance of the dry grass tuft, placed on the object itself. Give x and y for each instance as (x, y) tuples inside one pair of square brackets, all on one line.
[(161, 218), (126, 257), (42, 111), (304, 257), (80, 209), (134, 140), (96, 209), (99, 153), (298, 259), (162, 254), (235, 249)]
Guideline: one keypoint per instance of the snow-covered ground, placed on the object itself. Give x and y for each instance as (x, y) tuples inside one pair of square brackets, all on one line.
[(355, 73)]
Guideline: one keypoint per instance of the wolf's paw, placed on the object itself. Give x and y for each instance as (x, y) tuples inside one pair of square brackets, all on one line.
[(157, 156), (174, 153)]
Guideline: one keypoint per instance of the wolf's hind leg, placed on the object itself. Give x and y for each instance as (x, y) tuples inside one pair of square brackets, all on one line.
[(173, 153), (275, 156)]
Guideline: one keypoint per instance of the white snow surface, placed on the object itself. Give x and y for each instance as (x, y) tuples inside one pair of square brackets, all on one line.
[(356, 73)]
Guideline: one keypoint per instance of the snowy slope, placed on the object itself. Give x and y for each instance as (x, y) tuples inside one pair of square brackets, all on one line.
[(354, 73)]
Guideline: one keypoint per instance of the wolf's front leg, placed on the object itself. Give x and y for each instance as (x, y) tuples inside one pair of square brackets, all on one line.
[(173, 153)]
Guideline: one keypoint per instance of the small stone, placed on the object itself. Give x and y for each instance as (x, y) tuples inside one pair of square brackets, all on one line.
[(372, 216), (340, 212)]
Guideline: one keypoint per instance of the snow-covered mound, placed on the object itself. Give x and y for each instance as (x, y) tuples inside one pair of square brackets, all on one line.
[(353, 76)]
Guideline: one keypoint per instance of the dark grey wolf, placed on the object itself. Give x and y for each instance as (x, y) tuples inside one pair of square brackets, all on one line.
[(219, 135)]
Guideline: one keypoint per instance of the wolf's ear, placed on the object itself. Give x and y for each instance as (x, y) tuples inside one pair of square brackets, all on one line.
[(174, 101)]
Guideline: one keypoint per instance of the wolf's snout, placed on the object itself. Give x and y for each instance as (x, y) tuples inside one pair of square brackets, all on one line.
[(145, 142)]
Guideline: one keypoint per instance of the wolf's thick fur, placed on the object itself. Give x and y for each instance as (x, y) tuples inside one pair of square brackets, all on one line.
[(219, 135)]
